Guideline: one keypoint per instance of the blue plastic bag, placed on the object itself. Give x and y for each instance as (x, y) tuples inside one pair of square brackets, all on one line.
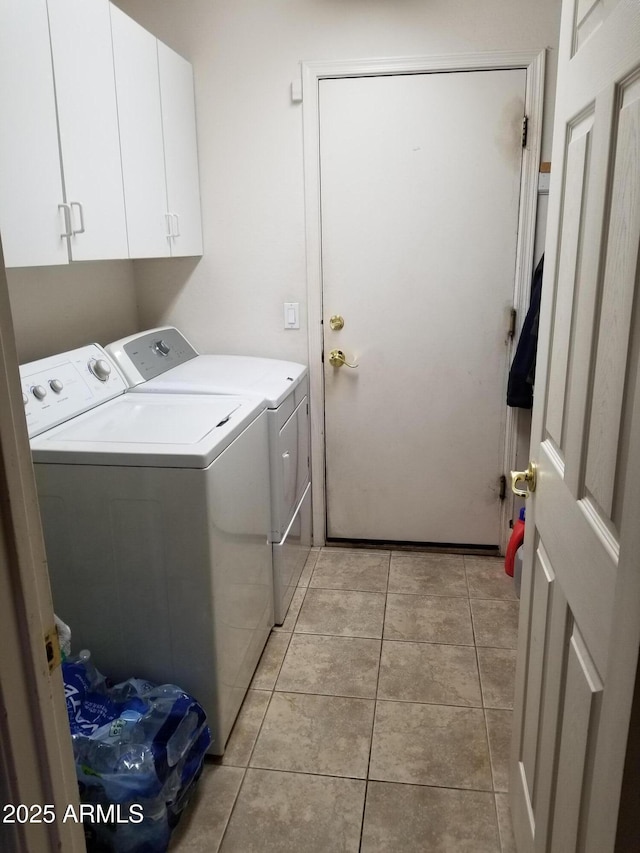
[(134, 743)]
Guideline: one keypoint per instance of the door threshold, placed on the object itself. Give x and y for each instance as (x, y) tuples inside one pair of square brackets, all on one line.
[(427, 547)]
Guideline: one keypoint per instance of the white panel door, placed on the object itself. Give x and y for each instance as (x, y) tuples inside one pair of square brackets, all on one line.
[(88, 122), (30, 179), (580, 608), (180, 151), (135, 58), (420, 185)]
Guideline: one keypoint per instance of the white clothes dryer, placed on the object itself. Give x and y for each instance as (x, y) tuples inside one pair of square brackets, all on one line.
[(163, 361), (155, 511)]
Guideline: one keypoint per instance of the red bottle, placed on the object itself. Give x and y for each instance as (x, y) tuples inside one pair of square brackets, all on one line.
[(517, 536)]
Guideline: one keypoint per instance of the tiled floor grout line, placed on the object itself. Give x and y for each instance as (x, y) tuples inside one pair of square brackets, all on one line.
[(466, 579), (484, 712), (384, 699), (277, 676), (466, 596), (396, 640), (375, 705), (313, 568), (362, 779), (231, 810), (495, 808), (245, 768)]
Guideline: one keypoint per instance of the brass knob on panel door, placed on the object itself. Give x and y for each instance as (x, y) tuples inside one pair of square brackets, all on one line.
[(529, 477), (337, 358), (336, 323)]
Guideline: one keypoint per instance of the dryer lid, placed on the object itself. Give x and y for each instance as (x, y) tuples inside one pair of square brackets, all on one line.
[(267, 378)]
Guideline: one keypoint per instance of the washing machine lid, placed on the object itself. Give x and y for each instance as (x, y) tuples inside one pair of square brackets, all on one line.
[(162, 360), (154, 430), (267, 378)]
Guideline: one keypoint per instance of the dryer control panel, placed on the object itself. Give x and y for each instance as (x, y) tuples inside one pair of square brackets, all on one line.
[(149, 354), (59, 387)]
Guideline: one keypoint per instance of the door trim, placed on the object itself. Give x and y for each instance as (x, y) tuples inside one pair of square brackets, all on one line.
[(312, 72), (36, 755)]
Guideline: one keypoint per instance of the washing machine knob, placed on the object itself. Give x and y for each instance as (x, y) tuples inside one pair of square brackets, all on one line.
[(56, 385), (39, 392), (100, 368)]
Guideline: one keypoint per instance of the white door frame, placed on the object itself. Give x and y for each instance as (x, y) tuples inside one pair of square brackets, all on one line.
[(36, 756), (312, 72)]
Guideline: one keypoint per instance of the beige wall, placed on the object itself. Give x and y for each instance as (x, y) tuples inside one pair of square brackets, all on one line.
[(245, 54), (58, 308)]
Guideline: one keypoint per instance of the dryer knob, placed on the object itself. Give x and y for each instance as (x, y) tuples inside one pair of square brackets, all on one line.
[(100, 368), (56, 385), (161, 348)]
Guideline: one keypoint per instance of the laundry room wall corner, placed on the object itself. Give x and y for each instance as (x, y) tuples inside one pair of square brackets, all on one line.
[(250, 141)]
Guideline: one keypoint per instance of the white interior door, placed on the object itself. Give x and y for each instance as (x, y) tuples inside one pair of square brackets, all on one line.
[(580, 609), (420, 184)]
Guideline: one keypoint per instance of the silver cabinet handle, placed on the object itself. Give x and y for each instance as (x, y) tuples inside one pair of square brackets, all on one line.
[(79, 230), (66, 215), (173, 225)]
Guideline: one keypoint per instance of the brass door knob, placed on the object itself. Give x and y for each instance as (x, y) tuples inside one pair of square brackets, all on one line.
[(336, 323), (529, 477), (337, 358)]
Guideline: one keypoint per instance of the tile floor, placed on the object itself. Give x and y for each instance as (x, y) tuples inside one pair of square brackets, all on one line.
[(378, 719)]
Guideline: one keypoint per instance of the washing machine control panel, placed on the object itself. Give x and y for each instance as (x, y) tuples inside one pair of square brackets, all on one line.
[(60, 387)]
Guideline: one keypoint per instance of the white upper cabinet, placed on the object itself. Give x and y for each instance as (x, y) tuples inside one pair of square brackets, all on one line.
[(98, 156), (180, 151), (88, 127), (135, 57), (156, 112), (30, 179)]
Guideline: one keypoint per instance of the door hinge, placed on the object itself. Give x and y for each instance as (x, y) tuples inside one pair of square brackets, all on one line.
[(525, 130), (503, 487), (513, 316), (52, 646)]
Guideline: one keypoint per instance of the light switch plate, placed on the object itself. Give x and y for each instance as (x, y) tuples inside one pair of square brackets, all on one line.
[(292, 315)]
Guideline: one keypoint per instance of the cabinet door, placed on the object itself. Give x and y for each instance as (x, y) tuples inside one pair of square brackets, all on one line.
[(140, 120), (88, 122), (180, 151), (30, 180)]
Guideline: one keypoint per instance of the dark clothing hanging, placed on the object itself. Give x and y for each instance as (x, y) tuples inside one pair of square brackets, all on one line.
[(523, 368)]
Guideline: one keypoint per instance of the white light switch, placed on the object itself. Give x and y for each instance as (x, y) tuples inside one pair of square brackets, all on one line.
[(292, 315)]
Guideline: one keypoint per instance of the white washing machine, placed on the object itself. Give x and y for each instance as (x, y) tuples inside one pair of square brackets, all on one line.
[(156, 518), (163, 361)]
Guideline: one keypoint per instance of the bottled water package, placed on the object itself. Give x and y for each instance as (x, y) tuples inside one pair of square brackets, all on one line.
[(134, 743)]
